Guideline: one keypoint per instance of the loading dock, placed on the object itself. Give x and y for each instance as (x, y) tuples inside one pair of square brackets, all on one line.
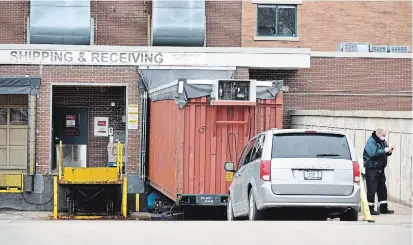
[(85, 120), (81, 71), (18, 99)]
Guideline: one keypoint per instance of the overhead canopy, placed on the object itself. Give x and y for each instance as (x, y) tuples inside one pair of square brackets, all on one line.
[(162, 84), (19, 85), (156, 78)]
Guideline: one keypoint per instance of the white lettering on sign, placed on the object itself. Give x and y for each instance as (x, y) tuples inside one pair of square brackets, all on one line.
[(137, 58), (62, 57)]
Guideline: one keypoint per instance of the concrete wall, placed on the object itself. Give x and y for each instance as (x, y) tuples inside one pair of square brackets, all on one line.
[(359, 125)]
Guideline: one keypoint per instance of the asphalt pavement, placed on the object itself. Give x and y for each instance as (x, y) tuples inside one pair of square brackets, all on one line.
[(29, 228)]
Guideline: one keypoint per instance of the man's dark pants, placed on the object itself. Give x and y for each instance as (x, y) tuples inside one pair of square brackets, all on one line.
[(376, 182)]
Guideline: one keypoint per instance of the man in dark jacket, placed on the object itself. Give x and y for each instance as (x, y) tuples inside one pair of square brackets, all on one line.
[(375, 156)]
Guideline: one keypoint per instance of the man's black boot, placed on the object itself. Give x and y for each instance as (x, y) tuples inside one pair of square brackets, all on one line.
[(372, 211), (384, 209)]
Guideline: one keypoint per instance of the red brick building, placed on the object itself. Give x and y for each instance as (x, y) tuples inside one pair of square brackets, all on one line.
[(328, 77)]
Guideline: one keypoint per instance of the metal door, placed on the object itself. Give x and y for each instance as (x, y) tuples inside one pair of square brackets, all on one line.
[(13, 132), (71, 126)]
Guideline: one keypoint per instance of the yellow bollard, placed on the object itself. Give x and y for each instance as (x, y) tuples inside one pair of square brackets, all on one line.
[(61, 160), (364, 205), (55, 197), (125, 197)]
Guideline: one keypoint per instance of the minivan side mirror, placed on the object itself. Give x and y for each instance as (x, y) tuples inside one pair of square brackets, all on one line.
[(229, 167)]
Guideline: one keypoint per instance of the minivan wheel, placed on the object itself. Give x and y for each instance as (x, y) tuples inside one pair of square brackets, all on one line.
[(350, 215), (254, 213), (230, 212)]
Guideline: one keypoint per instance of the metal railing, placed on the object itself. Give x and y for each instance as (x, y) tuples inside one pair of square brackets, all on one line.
[(119, 160)]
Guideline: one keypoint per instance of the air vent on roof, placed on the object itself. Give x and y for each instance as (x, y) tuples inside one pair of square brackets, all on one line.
[(399, 49), (378, 48), (353, 47)]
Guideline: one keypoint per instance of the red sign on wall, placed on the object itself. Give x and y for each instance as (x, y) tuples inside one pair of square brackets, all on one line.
[(101, 123)]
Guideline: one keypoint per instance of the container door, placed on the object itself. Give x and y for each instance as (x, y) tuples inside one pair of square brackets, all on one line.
[(232, 125), (71, 126)]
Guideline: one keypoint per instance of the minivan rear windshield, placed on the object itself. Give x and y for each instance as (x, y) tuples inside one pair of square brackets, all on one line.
[(310, 145)]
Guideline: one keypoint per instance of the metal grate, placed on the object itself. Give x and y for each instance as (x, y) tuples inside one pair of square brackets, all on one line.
[(353, 47), (378, 48), (399, 49)]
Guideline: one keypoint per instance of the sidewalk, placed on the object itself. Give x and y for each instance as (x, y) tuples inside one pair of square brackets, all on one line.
[(402, 215)]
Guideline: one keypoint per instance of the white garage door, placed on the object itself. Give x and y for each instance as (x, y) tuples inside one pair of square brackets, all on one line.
[(13, 132)]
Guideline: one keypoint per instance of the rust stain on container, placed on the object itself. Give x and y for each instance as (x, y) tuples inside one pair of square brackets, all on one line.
[(188, 147)]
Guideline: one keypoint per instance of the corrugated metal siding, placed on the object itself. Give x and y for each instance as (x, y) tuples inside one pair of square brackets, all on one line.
[(209, 138), (165, 140), (269, 114), (188, 148)]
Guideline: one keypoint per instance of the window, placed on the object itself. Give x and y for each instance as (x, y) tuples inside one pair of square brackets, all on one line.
[(246, 154), (277, 20), (314, 145), (13, 110), (258, 148)]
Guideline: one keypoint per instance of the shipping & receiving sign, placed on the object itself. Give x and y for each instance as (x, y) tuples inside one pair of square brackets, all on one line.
[(51, 57)]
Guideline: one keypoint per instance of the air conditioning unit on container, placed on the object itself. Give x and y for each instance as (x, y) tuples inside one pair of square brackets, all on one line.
[(399, 49), (378, 48), (234, 92), (353, 47)]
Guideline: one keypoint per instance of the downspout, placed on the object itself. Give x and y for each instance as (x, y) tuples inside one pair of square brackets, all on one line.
[(143, 91)]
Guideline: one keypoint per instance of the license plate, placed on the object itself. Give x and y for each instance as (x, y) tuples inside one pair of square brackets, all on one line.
[(207, 199), (312, 175)]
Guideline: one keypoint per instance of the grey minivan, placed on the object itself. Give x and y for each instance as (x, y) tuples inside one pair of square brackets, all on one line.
[(295, 168)]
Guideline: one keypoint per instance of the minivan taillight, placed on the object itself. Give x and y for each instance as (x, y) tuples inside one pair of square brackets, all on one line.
[(265, 170), (356, 172)]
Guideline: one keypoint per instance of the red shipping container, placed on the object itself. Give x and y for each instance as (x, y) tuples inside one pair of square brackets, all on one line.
[(188, 147)]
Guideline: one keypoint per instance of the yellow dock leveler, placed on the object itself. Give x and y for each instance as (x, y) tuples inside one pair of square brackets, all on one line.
[(87, 184)]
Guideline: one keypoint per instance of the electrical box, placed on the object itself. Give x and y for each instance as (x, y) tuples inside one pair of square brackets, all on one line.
[(233, 92), (119, 135)]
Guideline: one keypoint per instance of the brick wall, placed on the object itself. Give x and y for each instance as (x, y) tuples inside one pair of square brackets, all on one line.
[(97, 100), (13, 19), (75, 74), (125, 23), (242, 73), (322, 24), (333, 84), (120, 23), (223, 23)]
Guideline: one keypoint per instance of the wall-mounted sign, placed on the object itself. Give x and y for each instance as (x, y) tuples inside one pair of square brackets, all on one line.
[(133, 117), (101, 126), (71, 126), (70, 121), (101, 58)]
